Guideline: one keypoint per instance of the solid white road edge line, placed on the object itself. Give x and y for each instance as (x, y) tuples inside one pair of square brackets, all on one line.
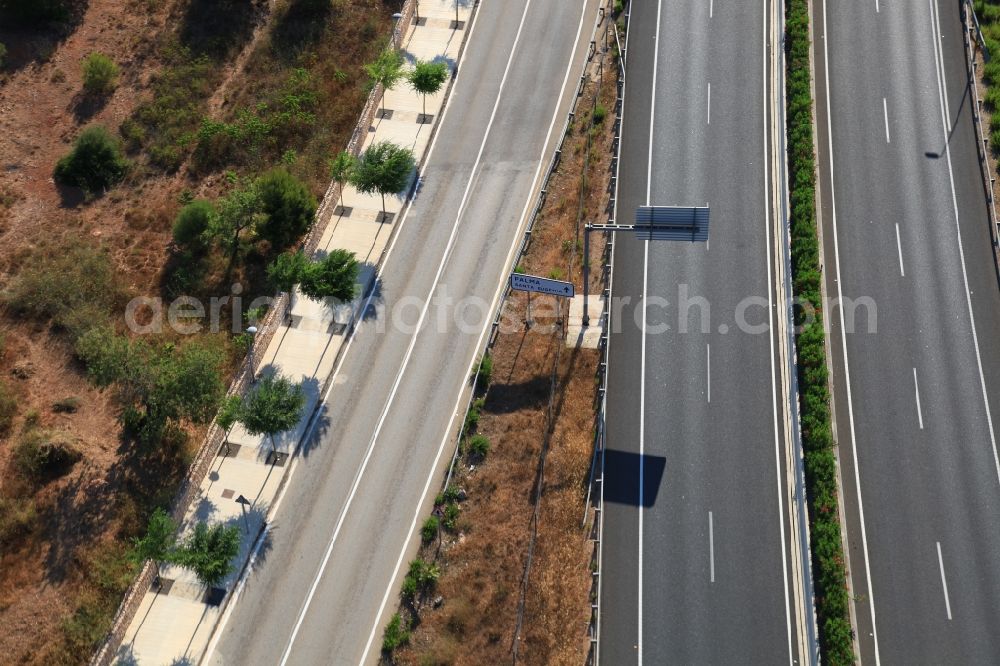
[(944, 582), (945, 114), (770, 313), (642, 346), (843, 338), (506, 266), (310, 430)]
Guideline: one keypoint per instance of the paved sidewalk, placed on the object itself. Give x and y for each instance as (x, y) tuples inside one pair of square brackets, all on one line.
[(175, 623)]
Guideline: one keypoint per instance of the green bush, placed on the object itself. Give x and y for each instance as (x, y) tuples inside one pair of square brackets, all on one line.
[(100, 74), (472, 416), (94, 164), (41, 455), (192, 224), (479, 446), (600, 113), (485, 372), (420, 579), (991, 99), (832, 603), (429, 530), (395, 635), (289, 206), (451, 513)]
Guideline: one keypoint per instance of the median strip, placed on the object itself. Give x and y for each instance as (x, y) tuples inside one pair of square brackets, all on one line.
[(829, 572)]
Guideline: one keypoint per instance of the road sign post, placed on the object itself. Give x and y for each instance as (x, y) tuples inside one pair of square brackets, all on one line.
[(540, 285)]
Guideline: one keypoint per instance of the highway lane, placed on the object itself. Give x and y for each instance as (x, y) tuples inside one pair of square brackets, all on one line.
[(906, 225), (342, 528), (701, 573)]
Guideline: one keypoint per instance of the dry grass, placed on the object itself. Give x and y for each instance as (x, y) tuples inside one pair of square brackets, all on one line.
[(483, 566), (62, 576)]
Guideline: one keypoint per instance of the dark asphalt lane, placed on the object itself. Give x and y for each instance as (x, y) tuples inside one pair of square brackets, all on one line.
[(906, 225), (715, 590)]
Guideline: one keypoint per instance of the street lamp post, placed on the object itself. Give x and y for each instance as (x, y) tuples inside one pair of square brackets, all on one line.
[(244, 502), (252, 332)]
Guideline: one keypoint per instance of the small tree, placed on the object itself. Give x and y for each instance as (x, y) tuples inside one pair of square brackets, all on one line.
[(427, 78), (209, 552), (238, 211), (193, 223), (94, 164), (159, 542), (275, 405), (3, 55), (386, 71), (287, 270), (289, 208), (100, 74), (384, 168), (341, 168), (334, 276), (229, 414)]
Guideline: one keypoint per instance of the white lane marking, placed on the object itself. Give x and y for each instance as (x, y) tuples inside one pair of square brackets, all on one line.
[(409, 352), (707, 240), (311, 428), (899, 247), (885, 112), (418, 511), (708, 371), (642, 428), (843, 338), (945, 114), (876, 7), (642, 353), (916, 394), (944, 582), (771, 330), (711, 548), (711, 4), (708, 111)]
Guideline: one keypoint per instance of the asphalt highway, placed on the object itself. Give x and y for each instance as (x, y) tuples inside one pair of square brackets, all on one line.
[(916, 375), (317, 592), (697, 538)]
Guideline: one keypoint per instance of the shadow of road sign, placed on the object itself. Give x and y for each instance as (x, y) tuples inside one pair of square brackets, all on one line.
[(621, 477)]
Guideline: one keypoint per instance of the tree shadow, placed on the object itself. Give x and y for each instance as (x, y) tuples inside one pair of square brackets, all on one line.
[(300, 27), (70, 196), (508, 398), (84, 106), (34, 34), (219, 28)]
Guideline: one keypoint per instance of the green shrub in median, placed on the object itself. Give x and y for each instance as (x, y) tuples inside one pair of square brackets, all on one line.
[(836, 643), (429, 530), (478, 446), (396, 635)]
